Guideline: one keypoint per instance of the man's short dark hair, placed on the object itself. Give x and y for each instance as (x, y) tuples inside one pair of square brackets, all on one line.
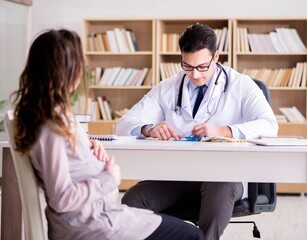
[(197, 37)]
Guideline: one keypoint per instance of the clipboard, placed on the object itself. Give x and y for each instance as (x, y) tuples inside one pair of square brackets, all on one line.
[(279, 141)]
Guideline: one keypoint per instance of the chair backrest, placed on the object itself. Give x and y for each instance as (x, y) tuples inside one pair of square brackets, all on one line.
[(262, 196), (28, 187), (264, 88)]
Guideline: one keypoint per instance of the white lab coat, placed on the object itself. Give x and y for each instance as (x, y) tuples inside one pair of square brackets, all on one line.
[(242, 106)]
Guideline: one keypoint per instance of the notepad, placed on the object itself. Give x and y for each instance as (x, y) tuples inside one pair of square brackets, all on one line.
[(279, 142), (103, 137)]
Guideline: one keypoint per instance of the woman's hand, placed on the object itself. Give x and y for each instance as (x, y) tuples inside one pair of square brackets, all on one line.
[(99, 151), (114, 170)]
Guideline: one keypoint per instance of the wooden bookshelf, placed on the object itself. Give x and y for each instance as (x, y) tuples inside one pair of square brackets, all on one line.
[(152, 52), (120, 97)]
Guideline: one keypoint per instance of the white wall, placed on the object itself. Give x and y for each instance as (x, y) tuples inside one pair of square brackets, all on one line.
[(14, 34), (69, 13)]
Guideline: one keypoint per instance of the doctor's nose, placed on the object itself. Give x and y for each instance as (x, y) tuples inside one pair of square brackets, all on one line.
[(195, 73)]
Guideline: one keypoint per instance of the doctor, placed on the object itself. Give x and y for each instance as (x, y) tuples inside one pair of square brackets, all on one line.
[(205, 99)]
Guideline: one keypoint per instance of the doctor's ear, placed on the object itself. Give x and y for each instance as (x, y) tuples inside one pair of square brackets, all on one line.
[(216, 56)]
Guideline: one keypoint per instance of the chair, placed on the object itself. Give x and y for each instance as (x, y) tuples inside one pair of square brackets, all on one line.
[(28, 188), (262, 197)]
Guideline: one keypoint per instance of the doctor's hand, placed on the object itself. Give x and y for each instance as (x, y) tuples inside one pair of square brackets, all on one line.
[(164, 132), (204, 129)]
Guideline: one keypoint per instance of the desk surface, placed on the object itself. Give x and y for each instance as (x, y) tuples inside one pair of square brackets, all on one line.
[(143, 144), (206, 161)]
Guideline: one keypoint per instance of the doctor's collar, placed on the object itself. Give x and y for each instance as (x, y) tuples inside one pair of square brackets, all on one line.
[(192, 86)]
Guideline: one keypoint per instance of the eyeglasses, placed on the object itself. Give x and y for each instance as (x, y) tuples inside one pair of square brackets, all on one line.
[(204, 67)]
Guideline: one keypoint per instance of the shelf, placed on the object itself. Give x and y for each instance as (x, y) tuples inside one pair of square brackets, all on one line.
[(118, 53), (140, 88)]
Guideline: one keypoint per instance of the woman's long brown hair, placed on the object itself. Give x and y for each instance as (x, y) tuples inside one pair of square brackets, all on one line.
[(54, 67)]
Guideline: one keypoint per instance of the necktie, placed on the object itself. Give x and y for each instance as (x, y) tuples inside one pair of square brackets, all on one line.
[(199, 98)]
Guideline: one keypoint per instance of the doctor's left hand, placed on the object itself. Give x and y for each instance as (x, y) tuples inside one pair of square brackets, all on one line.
[(164, 132), (204, 129)]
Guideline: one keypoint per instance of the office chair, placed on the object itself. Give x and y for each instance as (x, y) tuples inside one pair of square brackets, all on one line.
[(262, 197), (28, 188)]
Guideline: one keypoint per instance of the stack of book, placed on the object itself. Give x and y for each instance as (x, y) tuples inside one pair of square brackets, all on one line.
[(114, 40), (104, 107), (169, 41), (293, 114), (282, 40), (118, 76), (284, 77), (169, 69)]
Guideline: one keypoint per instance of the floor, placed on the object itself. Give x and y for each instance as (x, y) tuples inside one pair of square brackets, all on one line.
[(287, 222)]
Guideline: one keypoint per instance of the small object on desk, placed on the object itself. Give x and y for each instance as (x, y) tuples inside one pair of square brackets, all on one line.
[(103, 137), (221, 139), (280, 137), (279, 141), (192, 138), (211, 139)]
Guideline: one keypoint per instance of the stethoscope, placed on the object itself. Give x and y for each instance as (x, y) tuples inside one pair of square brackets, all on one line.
[(179, 100)]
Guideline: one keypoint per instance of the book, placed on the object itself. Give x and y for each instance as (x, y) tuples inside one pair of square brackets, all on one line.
[(112, 41), (107, 108), (91, 42), (121, 39), (102, 108), (99, 43), (148, 79), (83, 118), (129, 40), (106, 42), (134, 41), (292, 114)]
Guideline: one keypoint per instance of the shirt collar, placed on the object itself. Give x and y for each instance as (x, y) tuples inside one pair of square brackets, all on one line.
[(193, 87)]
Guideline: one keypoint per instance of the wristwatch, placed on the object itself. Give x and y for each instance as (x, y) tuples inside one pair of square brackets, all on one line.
[(148, 128)]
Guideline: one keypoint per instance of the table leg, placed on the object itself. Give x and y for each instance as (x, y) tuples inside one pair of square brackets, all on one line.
[(11, 218)]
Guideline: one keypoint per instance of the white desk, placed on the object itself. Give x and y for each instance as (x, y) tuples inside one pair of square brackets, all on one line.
[(200, 161), (175, 160)]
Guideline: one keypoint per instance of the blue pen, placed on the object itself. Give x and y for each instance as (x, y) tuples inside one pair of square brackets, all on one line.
[(193, 138)]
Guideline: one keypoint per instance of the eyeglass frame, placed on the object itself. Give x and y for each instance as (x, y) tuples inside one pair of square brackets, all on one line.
[(197, 67)]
